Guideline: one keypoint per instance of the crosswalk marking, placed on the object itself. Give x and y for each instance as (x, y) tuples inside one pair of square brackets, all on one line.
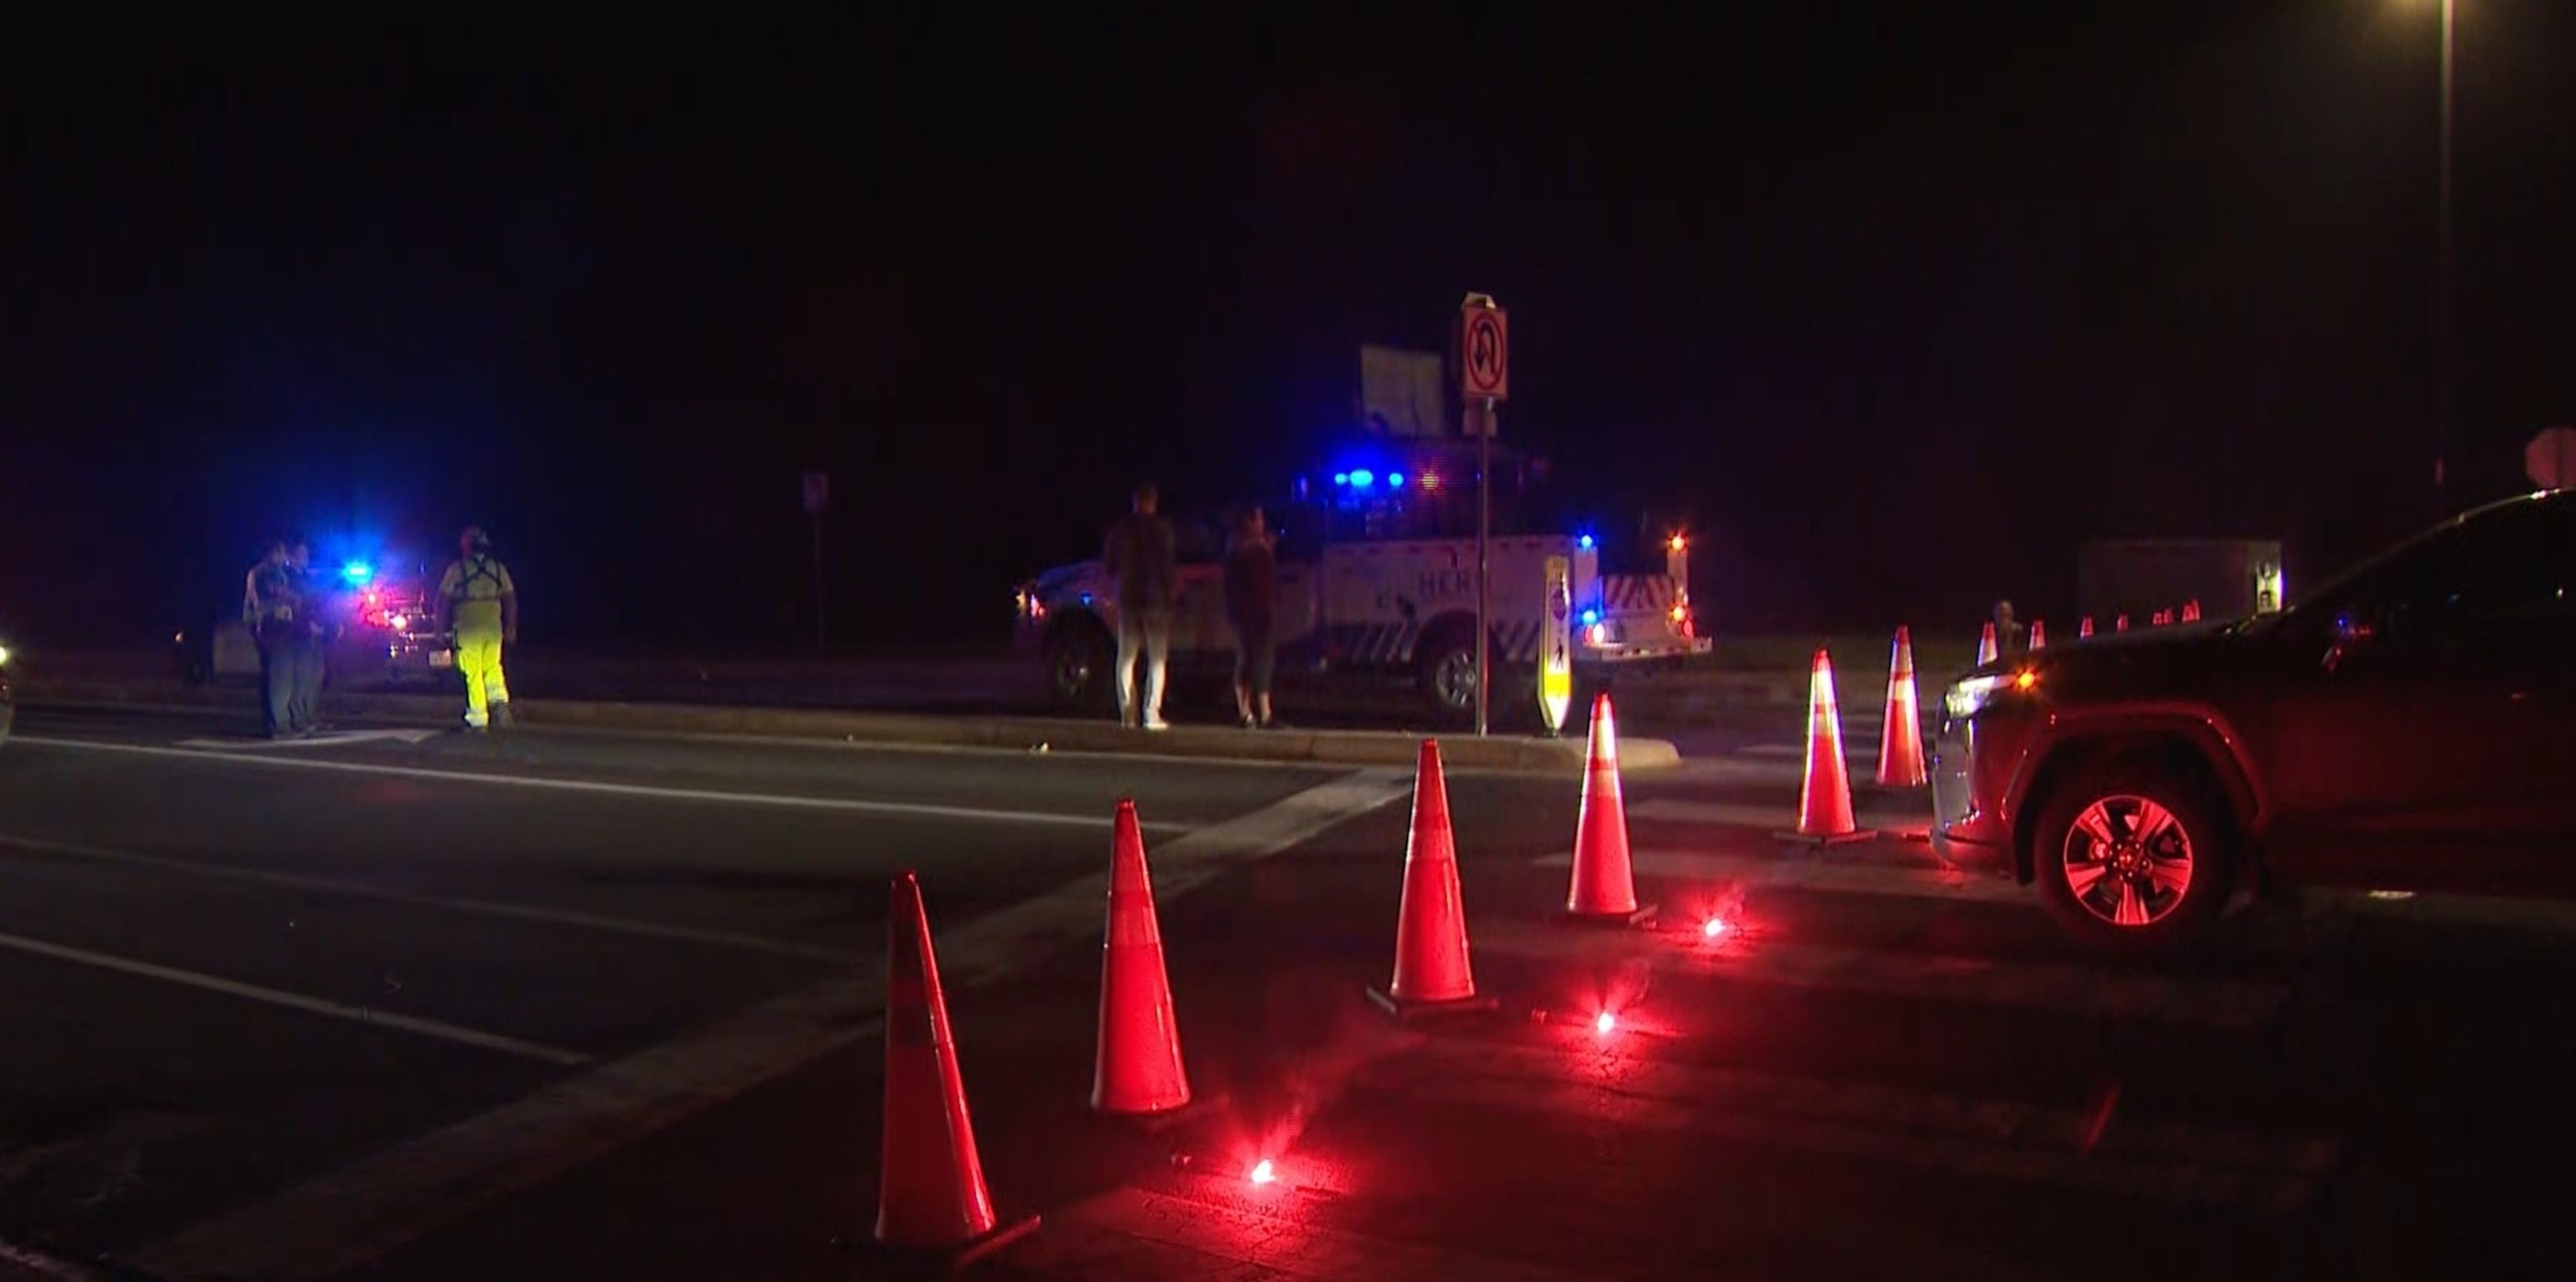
[(1826, 876), (1990, 1139), (2057, 987), (1768, 818), (1133, 1233)]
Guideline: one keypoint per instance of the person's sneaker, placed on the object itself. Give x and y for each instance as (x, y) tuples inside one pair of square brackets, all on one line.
[(1157, 723)]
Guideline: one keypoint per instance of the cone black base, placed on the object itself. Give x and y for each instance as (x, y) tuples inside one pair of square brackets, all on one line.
[(1838, 839), (931, 1262), (1408, 1011), (1642, 919), (1157, 1123)]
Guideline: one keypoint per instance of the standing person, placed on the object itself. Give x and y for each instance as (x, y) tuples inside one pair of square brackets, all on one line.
[(269, 607), (308, 635), (1141, 559), (1251, 601), (477, 598), (2009, 633)]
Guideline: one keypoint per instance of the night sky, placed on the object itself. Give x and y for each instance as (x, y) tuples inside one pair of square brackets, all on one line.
[(1899, 305)]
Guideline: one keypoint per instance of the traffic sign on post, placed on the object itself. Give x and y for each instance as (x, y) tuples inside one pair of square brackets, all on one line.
[(1556, 647), (2550, 459), (1484, 381), (1484, 350)]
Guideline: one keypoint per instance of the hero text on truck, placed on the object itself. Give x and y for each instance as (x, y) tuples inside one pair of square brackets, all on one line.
[(1377, 579)]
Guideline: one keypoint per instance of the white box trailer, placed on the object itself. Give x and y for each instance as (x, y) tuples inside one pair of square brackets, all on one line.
[(2228, 578)]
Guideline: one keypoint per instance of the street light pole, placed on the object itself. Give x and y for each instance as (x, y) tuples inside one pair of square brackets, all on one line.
[(2442, 304)]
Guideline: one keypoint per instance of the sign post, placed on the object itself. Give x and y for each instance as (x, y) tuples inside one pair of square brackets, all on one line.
[(2550, 459), (1556, 647), (1484, 382), (818, 500)]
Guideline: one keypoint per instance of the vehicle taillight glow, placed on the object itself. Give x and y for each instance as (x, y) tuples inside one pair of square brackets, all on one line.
[(1598, 634)]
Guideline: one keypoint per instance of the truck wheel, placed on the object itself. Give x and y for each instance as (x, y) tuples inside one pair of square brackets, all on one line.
[(1079, 657), (2135, 857), (1447, 677)]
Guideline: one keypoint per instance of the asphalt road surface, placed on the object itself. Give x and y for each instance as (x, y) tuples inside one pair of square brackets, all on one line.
[(408, 1006)]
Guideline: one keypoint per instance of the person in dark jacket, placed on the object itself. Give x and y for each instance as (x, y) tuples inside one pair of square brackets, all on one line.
[(271, 608), (1140, 557), (1251, 605)]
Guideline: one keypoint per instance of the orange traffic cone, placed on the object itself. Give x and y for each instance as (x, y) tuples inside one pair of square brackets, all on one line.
[(2120, 624), (1900, 739), (1825, 805), (2191, 611), (1986, 651), (1431, 967), (931, 1198), (1139, 1071), (2038, 634), (2084, 629), (1604, 890)]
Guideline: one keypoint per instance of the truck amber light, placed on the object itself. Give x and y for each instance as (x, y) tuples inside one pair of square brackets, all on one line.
[(2025, 680)]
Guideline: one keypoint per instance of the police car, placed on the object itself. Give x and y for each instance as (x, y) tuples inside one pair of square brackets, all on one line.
[(383, 633), (1377, 579)]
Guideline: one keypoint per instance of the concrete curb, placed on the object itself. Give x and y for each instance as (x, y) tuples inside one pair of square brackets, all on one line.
[(1024, 734)]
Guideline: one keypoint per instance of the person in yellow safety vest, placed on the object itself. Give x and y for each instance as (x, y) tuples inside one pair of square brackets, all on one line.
[(477, 598)]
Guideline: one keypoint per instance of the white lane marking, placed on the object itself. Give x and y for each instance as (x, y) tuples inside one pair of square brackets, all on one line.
[(1769, 818), (2450, 910), (332, 739), (1132, 1233), (360, 1212), (296, 1001), (423, 899), (1982, 1138), (596, 787), (2056, 987), (1822, 876), (1039, 745)]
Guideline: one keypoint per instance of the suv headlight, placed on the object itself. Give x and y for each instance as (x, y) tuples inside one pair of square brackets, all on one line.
[(1973, 695)]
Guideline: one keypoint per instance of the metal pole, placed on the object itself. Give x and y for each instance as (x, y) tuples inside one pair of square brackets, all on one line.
[(820, 610), (2442, 304), (1484, 565)]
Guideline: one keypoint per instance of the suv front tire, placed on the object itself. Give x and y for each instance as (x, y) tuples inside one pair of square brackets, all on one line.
[(2134, 856)]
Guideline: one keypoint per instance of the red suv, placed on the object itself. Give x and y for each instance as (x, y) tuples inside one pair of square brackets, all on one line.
[(2410, 726)]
